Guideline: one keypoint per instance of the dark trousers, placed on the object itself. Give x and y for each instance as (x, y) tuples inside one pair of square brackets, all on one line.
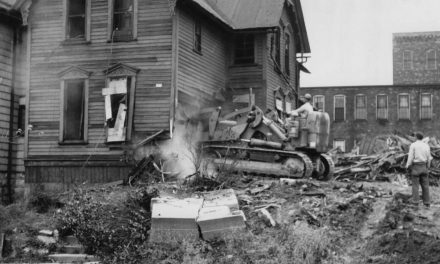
[(419, 174)]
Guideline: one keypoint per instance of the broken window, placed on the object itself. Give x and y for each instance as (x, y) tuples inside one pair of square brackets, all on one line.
[(360, 108), (76, 19), (319, 102), (339, 101), (74, 110), (287, 55), (425, 106), (407, 60), (116, 104), (403, 107), (198, 36), (123, 17), (382, 106), (431, 60), (244, 49), (339, 143)]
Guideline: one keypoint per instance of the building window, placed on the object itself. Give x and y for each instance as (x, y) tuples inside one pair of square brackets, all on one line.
[(431, 60), (78, 19), (244, 49), (403, 106), (122, 20), (319, 102), (339, 105), (21, 120), (74, 106), (360, 107), (279, 106), (425, 106), (198, 36), (276, 47), (382, 106), (287, 55), (407, 60), (339, 143)]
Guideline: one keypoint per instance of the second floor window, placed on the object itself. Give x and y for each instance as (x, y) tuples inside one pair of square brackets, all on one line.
[(382, 107), (339, 101), (360, 108), (123, 20), (403, 106), (407, 60), (244, 49), (425, 106), (431, 60), (319, 102), (74, 110), (76, 19), (198, 36), (287, 55)]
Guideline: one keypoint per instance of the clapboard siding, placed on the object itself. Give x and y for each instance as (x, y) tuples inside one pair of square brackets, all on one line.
[(150, 53), (200, 75), (275, 79)]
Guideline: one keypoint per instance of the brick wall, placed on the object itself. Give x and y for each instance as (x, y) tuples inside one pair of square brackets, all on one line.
[(418, 70), (351, 129)]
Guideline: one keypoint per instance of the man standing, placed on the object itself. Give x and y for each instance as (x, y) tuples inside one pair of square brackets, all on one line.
[(419, 159), (304, 109)]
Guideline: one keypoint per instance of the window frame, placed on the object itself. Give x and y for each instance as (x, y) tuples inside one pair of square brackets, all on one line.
[(74, 73), (235, 49), (87, 22), (357, 109), (427, 59), (323, 101), (110, 37), (399, 117), (341, 140), (197, 36), (377, 107), (287, 54), (410, 60), (431, 107), (334, 107)]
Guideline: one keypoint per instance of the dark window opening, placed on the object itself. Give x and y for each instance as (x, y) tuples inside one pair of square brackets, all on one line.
[(244, 49), (277, 53), (339, 108), (74, 110), (360, 107), (123, 20), (76, 19), (287, 55), (198, 36), (21, 121)]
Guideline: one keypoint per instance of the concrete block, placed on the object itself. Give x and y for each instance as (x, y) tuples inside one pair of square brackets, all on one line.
[(220, 222), (221, 197), (174, 219)]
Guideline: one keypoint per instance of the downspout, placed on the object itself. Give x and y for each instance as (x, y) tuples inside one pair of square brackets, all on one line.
[(11, 116)]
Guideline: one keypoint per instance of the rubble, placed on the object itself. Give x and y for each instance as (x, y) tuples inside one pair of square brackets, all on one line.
[(385, 163)]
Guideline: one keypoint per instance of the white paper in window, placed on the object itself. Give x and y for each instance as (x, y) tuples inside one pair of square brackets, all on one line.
[(279, 104)]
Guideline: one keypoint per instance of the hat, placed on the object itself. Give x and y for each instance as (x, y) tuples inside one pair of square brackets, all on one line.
[(308, 96)]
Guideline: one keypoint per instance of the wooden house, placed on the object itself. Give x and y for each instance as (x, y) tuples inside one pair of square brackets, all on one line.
[(13, 73), (106, 74)]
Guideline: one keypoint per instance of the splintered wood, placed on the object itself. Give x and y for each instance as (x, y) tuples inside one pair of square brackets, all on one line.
[(386, 163)]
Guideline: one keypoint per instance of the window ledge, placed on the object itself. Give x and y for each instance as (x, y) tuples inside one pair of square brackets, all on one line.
[(244, 65), (121, 40), (69, 42), (73, 142), (198, 52)]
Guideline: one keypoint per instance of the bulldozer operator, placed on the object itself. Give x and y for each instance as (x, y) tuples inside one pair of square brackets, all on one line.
[(305, 108)]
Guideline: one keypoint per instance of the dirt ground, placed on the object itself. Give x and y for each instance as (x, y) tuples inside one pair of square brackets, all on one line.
[(366, 222)]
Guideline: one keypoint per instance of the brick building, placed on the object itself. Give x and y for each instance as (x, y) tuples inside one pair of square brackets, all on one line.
[(406, 106)]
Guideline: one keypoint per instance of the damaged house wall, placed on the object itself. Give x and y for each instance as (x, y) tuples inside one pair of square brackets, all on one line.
[(145, 75)]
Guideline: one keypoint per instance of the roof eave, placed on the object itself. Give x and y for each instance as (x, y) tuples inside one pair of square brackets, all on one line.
[(304, 39)]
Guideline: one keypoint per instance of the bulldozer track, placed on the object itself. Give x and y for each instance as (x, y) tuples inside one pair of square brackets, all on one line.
[(331, 167), (308, 164)]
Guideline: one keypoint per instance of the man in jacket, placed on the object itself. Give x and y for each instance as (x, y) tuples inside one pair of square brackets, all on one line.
[(304, 109), (419, 160)]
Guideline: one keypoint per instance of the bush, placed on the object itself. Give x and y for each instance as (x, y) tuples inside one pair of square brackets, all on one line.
[(109, 229)]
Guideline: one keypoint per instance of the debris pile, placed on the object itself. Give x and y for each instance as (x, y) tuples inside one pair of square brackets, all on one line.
[(386, 161)]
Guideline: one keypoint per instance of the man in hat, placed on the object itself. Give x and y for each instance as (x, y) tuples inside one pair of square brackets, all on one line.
[(304, 109), (419, 160)]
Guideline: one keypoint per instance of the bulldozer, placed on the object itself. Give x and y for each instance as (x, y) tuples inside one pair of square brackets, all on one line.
[(257, 143)]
